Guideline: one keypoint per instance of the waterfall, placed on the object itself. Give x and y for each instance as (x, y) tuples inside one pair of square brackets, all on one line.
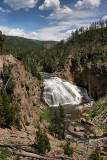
[(56, 92)]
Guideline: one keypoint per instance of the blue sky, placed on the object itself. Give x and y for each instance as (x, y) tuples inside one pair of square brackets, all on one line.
[(48, 19)]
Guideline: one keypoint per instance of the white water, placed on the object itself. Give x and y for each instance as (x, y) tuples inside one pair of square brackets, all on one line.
[(56, 92)]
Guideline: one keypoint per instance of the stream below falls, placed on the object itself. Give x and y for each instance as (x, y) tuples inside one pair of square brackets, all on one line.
[(73, 98)]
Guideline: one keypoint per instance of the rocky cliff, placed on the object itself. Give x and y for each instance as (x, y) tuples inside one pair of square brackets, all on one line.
[(92, 76), (25, 90)]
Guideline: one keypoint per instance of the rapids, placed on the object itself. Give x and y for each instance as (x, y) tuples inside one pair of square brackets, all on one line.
[(56, 92)]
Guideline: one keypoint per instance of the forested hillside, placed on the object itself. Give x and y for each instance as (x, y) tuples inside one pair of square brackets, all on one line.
[(26, 50), (85, 45), (18, 43)]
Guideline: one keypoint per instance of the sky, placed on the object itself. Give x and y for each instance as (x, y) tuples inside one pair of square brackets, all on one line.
[(49, 19)]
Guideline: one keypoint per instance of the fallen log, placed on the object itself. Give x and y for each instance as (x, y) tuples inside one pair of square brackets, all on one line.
[(32, 155), (63, 157), (17, 150)]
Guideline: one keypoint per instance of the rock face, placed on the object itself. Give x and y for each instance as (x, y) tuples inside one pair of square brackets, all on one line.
[(93, 77), (26, 88)]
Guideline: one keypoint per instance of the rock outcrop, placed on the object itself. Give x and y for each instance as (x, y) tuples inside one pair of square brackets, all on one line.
[(26, 88)]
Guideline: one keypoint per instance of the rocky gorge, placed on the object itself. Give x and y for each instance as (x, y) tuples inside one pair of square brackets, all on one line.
[(92, 76), (27, 92)]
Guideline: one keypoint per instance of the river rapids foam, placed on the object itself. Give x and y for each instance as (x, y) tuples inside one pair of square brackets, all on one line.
[(56, 92)]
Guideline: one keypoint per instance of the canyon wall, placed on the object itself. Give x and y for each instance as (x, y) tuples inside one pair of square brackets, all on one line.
[(91, 76), (25, 90)]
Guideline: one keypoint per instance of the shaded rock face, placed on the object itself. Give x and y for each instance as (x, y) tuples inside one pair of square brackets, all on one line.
[(90, 76), (26, 88)]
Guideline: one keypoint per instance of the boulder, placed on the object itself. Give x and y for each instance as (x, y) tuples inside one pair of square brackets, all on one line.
[(91, 135), (83, 120), (77, 129)]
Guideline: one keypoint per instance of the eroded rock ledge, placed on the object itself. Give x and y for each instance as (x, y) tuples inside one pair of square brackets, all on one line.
[(26, 88)]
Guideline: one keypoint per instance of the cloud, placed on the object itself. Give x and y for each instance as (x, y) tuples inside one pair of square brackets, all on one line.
[(51, 33), (87, 3), (18, 4), (61, 13), (104, 18), (4, 11), (18, 32), (60, 31), (58, 11), (50, 4)]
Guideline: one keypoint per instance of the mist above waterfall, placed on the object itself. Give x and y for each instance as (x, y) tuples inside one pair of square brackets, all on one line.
[(56, 92)]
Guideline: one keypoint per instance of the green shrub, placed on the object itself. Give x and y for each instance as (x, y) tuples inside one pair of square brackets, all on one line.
[(95, 155), (10, 87), (42, 142), (17, 158), (58, 124), (67, 149), (4, 153), (7, 110)]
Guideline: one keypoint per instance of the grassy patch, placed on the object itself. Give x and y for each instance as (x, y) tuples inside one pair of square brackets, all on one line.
[(103, 128), (11, 142), (4, 153), (45, 114), (36, 126), (91, 114), (17, 158)]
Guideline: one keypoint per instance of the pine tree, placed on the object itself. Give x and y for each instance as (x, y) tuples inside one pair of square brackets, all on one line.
[(7, 111), (42, 142), (62, 123), (58, 124), (2, 39)]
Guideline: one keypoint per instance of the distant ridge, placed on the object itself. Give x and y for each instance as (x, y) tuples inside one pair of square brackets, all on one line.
[(14, 42)]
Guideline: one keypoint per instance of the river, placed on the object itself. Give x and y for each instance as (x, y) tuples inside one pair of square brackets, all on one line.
[(57, 92)]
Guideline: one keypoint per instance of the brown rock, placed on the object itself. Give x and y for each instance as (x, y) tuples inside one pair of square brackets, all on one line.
[(91, 135), (77, 129), (26, 87), (83, 120), (82, 129), (89, 75)]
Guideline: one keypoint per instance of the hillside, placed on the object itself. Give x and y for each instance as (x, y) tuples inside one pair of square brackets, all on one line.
[(85, 46), (82, 60), (19, 43)]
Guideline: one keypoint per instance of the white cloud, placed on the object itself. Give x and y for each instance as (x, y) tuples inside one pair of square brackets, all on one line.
[(58, 11), (104, 18), (50, 4), (60, 31), (18, 4), (4, 11), (61, 13), (18, 32), (87, 3), (51, 33)]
